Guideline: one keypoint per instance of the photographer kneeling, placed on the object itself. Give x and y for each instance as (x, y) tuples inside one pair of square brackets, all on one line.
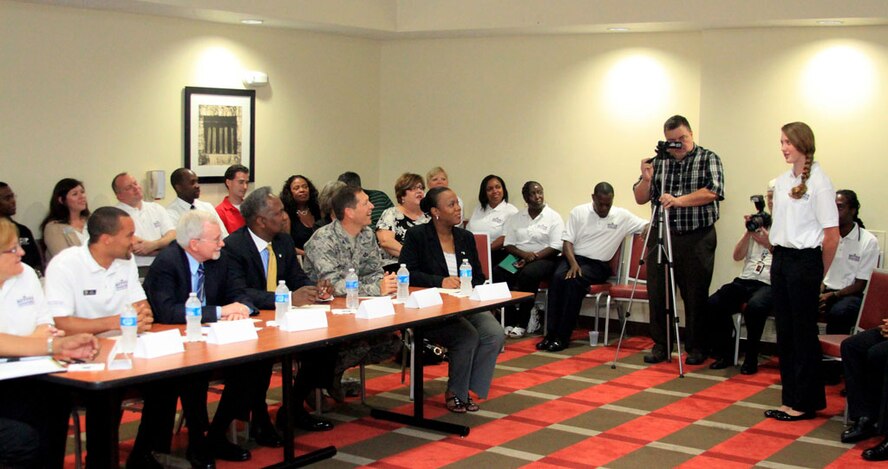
[(752, 287)]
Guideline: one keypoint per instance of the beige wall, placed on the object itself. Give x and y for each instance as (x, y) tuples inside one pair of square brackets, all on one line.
[(88, 94)]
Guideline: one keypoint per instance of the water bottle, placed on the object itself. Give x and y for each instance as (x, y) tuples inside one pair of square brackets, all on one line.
[(403, 282), (193, 315), (129, 326), (465, 278), (281, 302), (351, 290)]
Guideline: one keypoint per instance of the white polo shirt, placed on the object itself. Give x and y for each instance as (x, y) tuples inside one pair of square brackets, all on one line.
[(757, 265), (799, 223), (534, 234), (856, 257), (152, 222), (598, 238), (22, 306), (179, 207), (491, 220), (76, 285)]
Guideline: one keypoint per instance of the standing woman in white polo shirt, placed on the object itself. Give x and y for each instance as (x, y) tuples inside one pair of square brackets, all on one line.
[(491, 215), (805, 236)]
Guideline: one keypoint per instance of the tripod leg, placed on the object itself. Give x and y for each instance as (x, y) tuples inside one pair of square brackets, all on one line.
[(634, 286)]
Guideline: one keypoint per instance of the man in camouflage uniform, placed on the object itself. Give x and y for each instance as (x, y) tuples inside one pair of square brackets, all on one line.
[(349, 242)]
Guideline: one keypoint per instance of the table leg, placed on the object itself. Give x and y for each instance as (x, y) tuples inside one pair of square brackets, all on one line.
[(417, 419), (290, 459), (103, 428)]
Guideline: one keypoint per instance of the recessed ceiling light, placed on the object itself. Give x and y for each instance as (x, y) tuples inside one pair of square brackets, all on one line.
[(252, 21), (619, 29), (830, 22)]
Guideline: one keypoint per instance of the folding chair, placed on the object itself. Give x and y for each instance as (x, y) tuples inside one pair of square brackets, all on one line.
[(622, 291)]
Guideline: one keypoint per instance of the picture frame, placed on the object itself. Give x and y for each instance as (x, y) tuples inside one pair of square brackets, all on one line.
[(220, 130)]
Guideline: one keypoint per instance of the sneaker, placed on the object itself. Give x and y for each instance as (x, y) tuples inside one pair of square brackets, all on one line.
[(516, 332), (508, 330)]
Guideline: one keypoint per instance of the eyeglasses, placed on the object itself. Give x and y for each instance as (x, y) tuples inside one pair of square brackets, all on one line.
[(14, 251)]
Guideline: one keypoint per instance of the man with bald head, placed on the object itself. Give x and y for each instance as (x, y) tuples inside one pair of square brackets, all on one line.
[(155, 229)]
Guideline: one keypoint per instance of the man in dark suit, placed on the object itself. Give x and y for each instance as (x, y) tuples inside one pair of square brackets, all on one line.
[(194, 264), (263, 254)]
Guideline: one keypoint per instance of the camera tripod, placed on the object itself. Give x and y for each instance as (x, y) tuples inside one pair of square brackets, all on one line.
[(664, 261)]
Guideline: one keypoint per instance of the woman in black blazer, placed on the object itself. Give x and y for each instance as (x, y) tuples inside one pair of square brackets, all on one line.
[(433, 253)]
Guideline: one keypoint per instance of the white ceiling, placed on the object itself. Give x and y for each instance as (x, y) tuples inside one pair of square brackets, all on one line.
[(393, 19)]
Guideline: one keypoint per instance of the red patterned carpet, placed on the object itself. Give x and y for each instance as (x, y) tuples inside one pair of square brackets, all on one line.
[(571, 409)]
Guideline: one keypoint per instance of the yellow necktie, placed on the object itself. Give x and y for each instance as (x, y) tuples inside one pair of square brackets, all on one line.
[(272, 272)]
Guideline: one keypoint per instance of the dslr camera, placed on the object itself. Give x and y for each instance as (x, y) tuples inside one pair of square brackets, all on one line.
[(760, 218)]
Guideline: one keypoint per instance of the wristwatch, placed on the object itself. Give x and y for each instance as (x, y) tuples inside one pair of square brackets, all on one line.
[(49, 345)]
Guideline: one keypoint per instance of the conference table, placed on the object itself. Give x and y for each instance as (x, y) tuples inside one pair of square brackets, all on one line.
[(102, 391)]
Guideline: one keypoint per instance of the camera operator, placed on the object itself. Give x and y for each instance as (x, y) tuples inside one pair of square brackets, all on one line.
[(694, 186), (752, 287), (856, 257)]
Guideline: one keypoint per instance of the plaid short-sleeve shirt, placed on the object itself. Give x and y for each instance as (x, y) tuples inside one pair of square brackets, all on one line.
[(699, 169)]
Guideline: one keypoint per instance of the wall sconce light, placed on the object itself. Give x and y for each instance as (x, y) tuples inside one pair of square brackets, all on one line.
[(254, 79)]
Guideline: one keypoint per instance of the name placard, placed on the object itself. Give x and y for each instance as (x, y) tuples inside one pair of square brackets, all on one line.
[(227, 332), (303, 319), (424, 298), (494, 291), (159, 344), (376, 308)]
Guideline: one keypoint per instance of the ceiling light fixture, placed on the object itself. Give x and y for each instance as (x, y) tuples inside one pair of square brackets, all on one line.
[(620, 29), (252, 21), (830, 22)]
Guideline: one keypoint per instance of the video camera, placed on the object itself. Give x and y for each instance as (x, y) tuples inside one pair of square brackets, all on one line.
[(760, 218)]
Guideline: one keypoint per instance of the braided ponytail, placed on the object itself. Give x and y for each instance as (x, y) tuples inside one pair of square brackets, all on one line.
[(802, 138), (798, 191)]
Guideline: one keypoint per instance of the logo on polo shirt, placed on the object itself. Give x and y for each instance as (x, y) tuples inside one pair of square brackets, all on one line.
[(853, 258), (121, 285), (612, 226), (497, 219), (157, 224), (25, 301)]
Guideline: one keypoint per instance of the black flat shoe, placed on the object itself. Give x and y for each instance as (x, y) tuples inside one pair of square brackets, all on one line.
[(878, 452), (544, 344), (695, 358), (199, 457), (266, 435), (228, 451), (774, 413), (656, 356), (794, 418), (556, 346), (749, 367), (310, 423), (720, 364), (862, 429), (143, 461)]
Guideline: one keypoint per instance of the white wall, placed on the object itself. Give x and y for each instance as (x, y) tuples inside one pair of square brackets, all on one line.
[(88, 94)]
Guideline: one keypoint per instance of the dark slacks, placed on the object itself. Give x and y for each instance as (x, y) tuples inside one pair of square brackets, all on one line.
[(566, 295), (693, 259), (316, 369), (159, 412), (795, 282), (726, 302), (246, 386), (841, 316), (527, 279), (865, 358), (33, 424)]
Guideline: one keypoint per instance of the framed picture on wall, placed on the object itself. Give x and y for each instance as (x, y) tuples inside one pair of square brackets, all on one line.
[(220, 130)]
